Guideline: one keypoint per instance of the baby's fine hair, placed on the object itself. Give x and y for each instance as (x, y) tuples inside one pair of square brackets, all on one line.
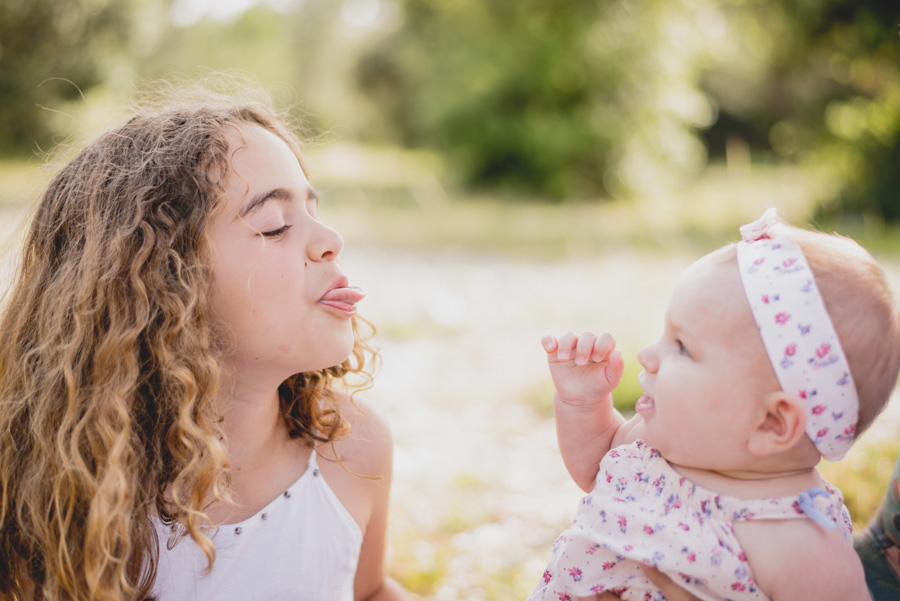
[(862, 308), (864, 312), (109, 364)]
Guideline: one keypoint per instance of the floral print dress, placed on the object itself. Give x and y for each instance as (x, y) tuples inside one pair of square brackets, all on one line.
[(642, 511)]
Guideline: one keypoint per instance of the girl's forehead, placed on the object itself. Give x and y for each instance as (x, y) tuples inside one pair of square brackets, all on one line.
[(258, 158)]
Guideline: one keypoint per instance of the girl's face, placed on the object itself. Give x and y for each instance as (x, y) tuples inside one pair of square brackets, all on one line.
[(705, 377), (278, 295)]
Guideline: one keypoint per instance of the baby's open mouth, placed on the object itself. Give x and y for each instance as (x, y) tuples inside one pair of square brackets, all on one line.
[(645, 403)]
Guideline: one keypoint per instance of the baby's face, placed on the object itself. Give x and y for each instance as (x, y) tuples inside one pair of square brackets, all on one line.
[(706, 376)]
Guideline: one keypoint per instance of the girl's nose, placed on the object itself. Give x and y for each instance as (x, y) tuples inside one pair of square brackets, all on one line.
[(326, 244), (648, 357)]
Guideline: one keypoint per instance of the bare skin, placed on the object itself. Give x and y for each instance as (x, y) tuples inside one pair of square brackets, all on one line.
[(756, 449), (275, 270)]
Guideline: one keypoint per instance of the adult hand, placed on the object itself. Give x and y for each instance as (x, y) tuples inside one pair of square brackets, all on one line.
[(667, 586)]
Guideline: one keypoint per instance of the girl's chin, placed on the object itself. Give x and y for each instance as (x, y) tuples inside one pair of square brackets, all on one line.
[(324, 360), (338, 357)]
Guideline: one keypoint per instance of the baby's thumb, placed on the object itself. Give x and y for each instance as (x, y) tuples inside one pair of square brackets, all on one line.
[(615, 368)]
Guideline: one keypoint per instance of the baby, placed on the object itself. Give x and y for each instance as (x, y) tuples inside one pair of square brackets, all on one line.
[(776, 351)]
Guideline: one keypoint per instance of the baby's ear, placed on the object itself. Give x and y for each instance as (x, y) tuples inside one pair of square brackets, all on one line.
[(781, 426)]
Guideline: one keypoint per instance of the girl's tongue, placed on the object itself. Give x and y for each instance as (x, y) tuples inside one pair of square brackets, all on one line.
[(344, 299)]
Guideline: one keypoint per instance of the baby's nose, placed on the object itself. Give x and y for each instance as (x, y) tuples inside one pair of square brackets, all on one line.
[(648, 358)]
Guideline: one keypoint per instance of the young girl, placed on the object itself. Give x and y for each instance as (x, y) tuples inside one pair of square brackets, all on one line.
[(713, 481), (169, 422)]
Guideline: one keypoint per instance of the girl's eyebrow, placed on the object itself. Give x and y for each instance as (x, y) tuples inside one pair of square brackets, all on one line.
[(282, 194)]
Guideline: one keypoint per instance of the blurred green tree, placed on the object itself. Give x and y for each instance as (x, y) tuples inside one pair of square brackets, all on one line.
[(51, 51), (549, 99), (817, 83), (255, 41), (292, 50), (569, 99)]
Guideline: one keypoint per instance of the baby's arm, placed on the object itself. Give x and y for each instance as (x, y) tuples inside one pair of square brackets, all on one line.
[(585, 370)]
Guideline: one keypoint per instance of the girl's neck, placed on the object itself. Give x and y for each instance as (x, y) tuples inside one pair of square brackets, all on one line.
[(264, 459), (253, 426)]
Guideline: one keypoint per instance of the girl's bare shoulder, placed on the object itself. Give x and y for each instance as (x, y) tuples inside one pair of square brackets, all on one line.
[(367, 449), (358, 465)]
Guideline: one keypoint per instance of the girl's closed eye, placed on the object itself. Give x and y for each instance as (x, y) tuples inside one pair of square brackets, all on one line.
[(277, 233), (682, 349)]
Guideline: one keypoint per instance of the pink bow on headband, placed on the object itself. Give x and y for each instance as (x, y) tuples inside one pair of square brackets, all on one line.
[(759, 229)]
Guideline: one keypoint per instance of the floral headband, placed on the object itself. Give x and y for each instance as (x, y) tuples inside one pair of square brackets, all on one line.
[(797, 332)]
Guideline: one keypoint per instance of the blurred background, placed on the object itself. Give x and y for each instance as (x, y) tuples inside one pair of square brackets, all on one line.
[(503, 169)]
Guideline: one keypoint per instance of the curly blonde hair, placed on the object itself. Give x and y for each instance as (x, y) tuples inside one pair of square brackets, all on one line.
[(108, 366)]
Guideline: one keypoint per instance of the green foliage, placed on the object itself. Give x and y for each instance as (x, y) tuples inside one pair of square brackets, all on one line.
[(592, 98), (296, 52), (555, 99), (255, 42), (50, 53), (863, 477), (532, 99), (824, 91)]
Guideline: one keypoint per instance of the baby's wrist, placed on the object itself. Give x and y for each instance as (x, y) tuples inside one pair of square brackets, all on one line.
[(581, 403)]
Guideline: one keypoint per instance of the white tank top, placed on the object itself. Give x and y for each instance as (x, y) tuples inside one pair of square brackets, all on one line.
[(303, 546)]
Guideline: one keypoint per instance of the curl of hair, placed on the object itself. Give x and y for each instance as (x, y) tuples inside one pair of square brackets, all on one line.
[(108, 366)]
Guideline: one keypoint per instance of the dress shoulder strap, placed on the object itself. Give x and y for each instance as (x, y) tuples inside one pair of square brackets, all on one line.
[(825, 506), (311, 464)]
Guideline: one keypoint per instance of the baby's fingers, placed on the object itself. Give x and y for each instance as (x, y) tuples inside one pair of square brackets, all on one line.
[(566, 346), (549, 343), (615, 368), (584, 350), (603, 346)]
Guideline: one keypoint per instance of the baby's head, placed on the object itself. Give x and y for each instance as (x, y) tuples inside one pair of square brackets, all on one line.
[(714, 391), (862, 312)]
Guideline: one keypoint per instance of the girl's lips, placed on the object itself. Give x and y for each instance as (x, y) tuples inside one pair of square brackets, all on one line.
[(343, 299), (645, 404)]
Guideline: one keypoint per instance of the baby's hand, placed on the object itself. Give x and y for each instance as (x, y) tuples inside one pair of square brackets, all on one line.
[(586, 368)]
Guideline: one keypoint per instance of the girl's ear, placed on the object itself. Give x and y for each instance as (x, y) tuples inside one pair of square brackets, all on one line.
[(781, 427)]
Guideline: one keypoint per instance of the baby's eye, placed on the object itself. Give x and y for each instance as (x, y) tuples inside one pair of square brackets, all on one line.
[(683, 349), (276, 233)]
